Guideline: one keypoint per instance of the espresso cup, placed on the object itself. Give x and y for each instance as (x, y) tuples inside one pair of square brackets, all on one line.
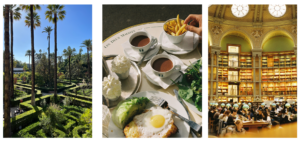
[(174, 39), (175, 68), (144, 48)]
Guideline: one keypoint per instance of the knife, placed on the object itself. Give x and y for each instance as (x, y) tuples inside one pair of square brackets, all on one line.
[(193, 132), (164, 104)]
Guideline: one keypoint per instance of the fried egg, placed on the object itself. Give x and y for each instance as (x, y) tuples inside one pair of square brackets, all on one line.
[(155, 122)]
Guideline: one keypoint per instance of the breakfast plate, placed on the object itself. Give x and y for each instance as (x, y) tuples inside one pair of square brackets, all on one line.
[(129, 86), (179, 52), (140, 56), (155, 83), (183, 128)]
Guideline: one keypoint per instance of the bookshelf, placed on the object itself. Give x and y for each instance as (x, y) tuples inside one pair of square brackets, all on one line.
[(246, 89), (248, 62), (223, 88), (264, 61), (245, 75), (223, 60)]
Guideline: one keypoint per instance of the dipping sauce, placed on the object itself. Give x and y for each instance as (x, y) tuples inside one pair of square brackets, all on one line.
[(162, 64), (140, 41)]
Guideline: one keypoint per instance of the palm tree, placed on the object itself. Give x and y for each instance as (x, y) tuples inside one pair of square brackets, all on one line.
[(6, 71), (69, 53), (88, 45), (32, 22), (51, 15), (28, 53), (36, 20), (48, 30), (14, 14)]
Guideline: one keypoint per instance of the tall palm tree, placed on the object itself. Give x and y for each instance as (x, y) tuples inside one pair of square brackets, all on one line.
[(69, 53), (48, 30), (28, 53), (36, 20), (51, 15), (14, 15), (32, 22), (88, 45), (6, 71)]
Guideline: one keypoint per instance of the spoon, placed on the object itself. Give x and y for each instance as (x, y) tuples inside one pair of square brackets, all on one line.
[(151, 48)]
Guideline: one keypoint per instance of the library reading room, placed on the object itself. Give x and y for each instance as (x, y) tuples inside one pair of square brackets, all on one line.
[(252, 61)]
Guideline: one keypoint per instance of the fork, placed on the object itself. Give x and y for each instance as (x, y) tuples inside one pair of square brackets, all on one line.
[(164, 104)]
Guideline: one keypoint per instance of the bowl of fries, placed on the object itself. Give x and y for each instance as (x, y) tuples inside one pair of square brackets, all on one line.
[(175, 29)]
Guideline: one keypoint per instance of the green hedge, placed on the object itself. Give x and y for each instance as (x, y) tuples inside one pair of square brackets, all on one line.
[(61, 133), (69, 116), (16, 101), (29, 129), (44, 89), (79, 102), (41, 134), (73, 108), (77, 130), (79, 96), (27, 117)]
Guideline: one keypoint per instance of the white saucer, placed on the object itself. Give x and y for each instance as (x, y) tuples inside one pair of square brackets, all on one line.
[(180, 52), (148, 56), (155, 83)]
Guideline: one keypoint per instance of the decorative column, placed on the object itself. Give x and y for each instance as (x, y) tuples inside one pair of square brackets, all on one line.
[(217, 78), (259, 76), (211, 75), (254, 76)]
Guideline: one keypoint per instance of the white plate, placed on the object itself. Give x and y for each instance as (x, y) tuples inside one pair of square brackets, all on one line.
[(149, 55), (183, 128), (181, 52), (155, 83), (192, 105)]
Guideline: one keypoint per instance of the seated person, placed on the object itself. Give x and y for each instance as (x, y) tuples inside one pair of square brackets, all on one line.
[(212, 112), (234, 129), (260, 115), (231, 118), (225, 116)]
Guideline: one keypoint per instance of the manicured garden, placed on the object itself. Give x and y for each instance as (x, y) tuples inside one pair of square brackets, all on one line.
[(65, 116)]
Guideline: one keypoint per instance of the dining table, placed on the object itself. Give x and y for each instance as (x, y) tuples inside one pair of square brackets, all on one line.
[(255, 125), (113, 46)]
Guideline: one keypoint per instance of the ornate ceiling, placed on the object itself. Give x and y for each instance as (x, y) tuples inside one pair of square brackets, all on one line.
[(257, 26), (257, 13)]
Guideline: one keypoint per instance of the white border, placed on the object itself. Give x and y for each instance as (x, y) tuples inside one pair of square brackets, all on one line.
[(97, 50)]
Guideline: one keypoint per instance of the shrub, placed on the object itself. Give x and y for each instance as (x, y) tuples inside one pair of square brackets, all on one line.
[(58, 133), (50, 118), (61, 77), (40, 133), (67, 101), (29, 129), (79, 129)]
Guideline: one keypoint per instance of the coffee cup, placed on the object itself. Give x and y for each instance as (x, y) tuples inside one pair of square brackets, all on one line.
[(140, 41), (164, 65), (174, 39)]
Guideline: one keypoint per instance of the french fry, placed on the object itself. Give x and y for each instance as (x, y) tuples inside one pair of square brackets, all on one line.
[(165, 27), (171, 28), (182, 22), (181, 28), (184, 30), (176, 28), (173, 34), (178, 21)]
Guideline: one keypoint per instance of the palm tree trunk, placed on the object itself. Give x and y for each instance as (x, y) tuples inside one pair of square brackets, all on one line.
[(88, 60), (29, 62), (49, 83), (12, 53), (70, 68), (32, 59), (55, 56), (6, 84)]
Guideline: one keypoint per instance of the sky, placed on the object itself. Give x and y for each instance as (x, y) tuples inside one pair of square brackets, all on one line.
[(71, 31)]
